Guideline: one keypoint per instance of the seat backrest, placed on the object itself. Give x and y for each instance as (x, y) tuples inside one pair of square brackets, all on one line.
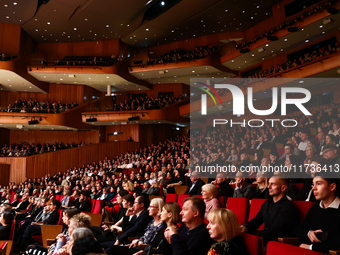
[(171, 198), (96, 219), (11, 234), (12, 197), (239, 205), (181, 198), (60, 221), (222, 201), (255, 206), (253, 244), (160, 190), (303, 207), (298, 185), (200, 196), (57, 197), (97, 207), (93, 202), (50, 232), (277, 248), (180, 189)]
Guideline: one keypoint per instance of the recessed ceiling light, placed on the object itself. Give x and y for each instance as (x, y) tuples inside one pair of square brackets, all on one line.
[(85, 19), (61, 79), (307, 41), (107, 25), (323, 32), (193, 71), (162, 3), (15, 3), (232, 61), (321, 26), (6, 5), (226, 10), (267, 44), (10, 85), (127, 25), (30, 87), (107, 77), (253, 55), (48, 23), (36, 30), (147, 29), (89, 78), (75, 28), (300, 81), (7, 17), (286, 39)]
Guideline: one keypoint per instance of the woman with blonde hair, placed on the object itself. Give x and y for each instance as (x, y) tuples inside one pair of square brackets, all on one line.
[(209, 193), (129, 187), (261, 190), (225, 230)]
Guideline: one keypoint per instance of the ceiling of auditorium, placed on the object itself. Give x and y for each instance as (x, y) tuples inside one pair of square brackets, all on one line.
[(84, 20)]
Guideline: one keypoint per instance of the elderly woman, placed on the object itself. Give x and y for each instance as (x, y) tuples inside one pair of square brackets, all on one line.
[(153, 234), (209, 193), (225, 230)]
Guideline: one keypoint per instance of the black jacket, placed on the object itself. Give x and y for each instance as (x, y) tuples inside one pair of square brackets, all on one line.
[(134, 227), (280, 220), (196, 190)]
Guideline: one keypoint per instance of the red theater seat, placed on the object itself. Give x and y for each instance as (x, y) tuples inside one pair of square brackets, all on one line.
[(255, 207), (181, 198), (276, 248), (253, 244), (239, 205), (303, 207), (171, 198)]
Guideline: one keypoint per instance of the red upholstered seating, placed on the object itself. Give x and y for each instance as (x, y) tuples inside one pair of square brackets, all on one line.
[(276, 248), (171, 198), (254, 208), (57, 197), (181, 198), (303, 207), (298, 185), (239, 205), (97, 207), (254, 244)]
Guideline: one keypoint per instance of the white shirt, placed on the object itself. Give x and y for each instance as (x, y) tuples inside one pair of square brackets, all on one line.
[(302, 146)]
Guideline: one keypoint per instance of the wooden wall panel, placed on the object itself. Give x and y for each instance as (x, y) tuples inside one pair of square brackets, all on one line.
[(40, 165), (4, 173), (64, 93), (153, 134), (16, 136), (9, 38), (4, 137), (91, 48), (129, 130), (17, 168)]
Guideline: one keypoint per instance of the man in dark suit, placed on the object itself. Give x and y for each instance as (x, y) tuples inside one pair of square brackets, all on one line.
[(23, 204), (242, 187), (195, 186), (224, 189), (135, 226), (84, 204), (50, 217)]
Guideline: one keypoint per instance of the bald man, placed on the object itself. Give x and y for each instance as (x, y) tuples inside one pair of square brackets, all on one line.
[(278, 214)]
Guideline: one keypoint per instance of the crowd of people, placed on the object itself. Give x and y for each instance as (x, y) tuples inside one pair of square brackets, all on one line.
[(88, 60), (24, 149), (178, 55), (123, 186), (34, 106), (145, 103), (304, 58), (290, 22)]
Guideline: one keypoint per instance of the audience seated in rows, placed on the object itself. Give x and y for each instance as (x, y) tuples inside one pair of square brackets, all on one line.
[(38, 107), (24, 149)]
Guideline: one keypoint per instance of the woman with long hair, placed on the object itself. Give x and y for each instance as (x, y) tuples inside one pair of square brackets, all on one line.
[(225, 230)]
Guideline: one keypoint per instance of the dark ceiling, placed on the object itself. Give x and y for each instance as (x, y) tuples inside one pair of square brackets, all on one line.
[(85, 20)]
